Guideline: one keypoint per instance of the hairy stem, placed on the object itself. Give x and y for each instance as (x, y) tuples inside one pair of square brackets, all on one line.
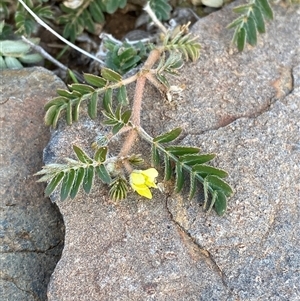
[(137, 101), (129, 141)]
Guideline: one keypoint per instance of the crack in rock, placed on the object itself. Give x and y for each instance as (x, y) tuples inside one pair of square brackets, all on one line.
[(7, 278), (195, 248), (283, 86)]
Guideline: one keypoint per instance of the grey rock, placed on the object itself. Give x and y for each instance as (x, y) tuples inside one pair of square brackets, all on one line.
[(244, 107), (32, 229)]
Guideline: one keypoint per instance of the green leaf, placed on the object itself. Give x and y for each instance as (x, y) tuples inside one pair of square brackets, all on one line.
[(73, 77), (32, 58), (13, 48), (111, 120), (96, 12), (251, 32), (12, 63), (111, 6), (241, 38), (218, 184), (100, 154), (57, 101), (130, 64), (179, 177), (168, 137), (205, 170), (103, 174), (119, 189), (265, 8), (196, 159), (82, 88), (68, 94), (67, 184), (220, 203), (117, 128), (95, 80), (155, 156), (192, 185), (111, 75), (53, 183), (122, 95), (161, 9), (50, 114), (69, 113), (2, 63), (81, 155), (92, 106), (236, 22), (182, 150), (242, 9), (168, 168), (259, 20), (56, 117), (107, 100), (126, 116), (77, 109), (162, 79), (77, 182), (88, 179)]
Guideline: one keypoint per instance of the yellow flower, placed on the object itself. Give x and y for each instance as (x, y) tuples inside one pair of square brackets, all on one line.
[(141, 180)]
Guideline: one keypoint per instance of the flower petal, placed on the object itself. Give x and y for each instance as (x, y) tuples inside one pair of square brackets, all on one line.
[(137, 178), (144, 191), (151, 173)]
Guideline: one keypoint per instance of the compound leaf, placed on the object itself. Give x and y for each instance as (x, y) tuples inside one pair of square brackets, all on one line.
[(265, 7), (95, 80), (155, 156), (88, 179), (67, 184), (111, 75), (220, 203), (103, 174), (54, 183), (122, 95), (81, 155), (251, 31), (241, 38), (77, 182), (182, 150), (82, 88), (92, 106), (100, 154), (179, 177), (196, 159), (205, 170), (168, 168), (218, 184), (168, 137)]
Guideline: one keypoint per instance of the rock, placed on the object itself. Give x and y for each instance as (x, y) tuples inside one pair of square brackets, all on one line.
[(32, 229), (244, 107)]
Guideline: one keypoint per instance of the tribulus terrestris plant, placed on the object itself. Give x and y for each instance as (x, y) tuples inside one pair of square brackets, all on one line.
[(120, 171)]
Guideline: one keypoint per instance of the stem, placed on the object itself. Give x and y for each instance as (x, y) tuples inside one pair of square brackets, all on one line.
[(129, 141), (140, 85), (137, 101), (41, 22), (44, 54), (152, 15)]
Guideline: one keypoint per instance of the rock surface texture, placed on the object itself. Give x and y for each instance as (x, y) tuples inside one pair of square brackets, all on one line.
[(246, 108), (32, 229)]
